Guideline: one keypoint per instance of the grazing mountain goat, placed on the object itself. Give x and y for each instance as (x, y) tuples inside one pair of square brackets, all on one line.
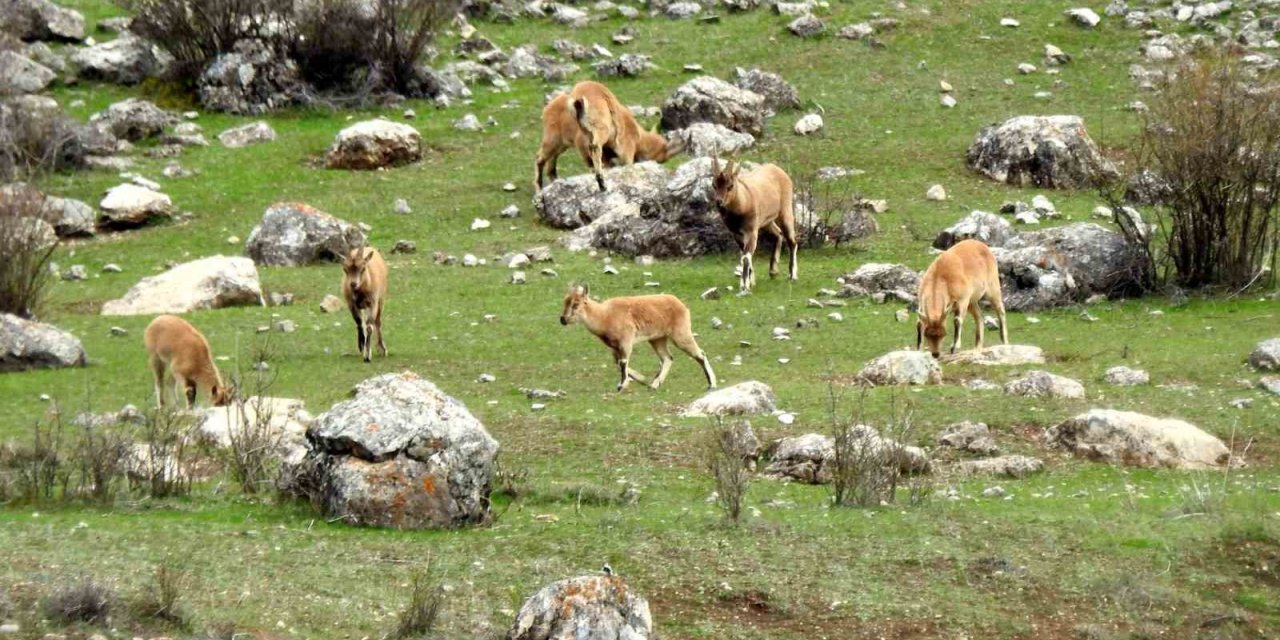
[(364, 285), (180, 358), (621, 322), (603, 129), (761, 199), (955, 282)]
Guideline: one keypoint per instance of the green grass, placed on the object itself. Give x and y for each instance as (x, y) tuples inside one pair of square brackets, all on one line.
[(1089, 543)]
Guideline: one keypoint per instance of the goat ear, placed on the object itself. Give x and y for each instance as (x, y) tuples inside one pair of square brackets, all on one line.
[(586, 289)]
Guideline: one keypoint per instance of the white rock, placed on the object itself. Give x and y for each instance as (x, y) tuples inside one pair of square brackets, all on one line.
[(902, 367), (936, 193), (1139, 440), (208, 283), (998, 355), (479, 224), (1084, 17), (744, 398), (947, 101), (810, 123)]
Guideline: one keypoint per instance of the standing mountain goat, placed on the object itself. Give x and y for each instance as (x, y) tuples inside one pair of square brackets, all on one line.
[(621, 322), (761, 199), (180, 359), (590, 118), (956, 281), (364, 285)]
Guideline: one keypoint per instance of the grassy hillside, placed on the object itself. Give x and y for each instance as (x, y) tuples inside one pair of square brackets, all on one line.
[(1082, 548)]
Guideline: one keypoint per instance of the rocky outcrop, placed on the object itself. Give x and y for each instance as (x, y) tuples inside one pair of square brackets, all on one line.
[(125, 60), (708, 99), (1266, 356), (983, 226), (1049, 152), (778, 94), (811, 458), (40, 20), (1064, 265), (998, 355), (20, 74), (208, 283), (896, 280), (252, 79), (1003, 466)]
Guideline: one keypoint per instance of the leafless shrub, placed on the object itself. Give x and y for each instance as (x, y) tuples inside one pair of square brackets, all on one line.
[(512, 481), (195, 32), (84, 600), (729, 469), (36, 139), (830, 213), (405, 29), (426, 600), (26, 247), (100, 457), (1212, 133), (36, 471), (161, 599), (254, 441), (867, 467), (160, 464)]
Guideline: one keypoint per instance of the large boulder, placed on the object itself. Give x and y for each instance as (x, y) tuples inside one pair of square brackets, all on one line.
[(26, 344), (292, 234), (902, 367), (708, 99), (1266, 356), (129, 206), (401, 453), (998, 355), (742, 399), (1005, 466), (899, 281), (811, 458), (20, 74), (40, 20), (570, 203), (1139, 440), (983, 226), (1064, 265), (584, 608), (134, 119), (704, 139), (207, 283), (1049, 152), (125, 60), (70, 218), (281, 423), (1042, 384), (374, 144), (778, 94), (252, 79)]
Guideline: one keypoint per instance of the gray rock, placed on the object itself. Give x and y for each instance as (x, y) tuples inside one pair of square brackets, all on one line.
[(293, 234), (129, 206), (902, 367), (26, 344), (1271, 384), (708, 99), (973, 437), (45, 55), (569, 16), (810, 458), (1006, 466), (742, 399), (1266, 355), (134, 119), (704, 139), (468, 122), (998, 355), (1042, 384), (252, 79), (20, 74), (125, 60), (875, 277), (1084, 16), (988, 228), (779, 95), (859, 31), (41, 20), (247, 134), (808, 124), (682, 10), (208, 283), (1138, 440), (374, 144), (1126, 377), (401, 453), (404, 246), (1066, 264), (1051, 152), (627, 65), (807, 26), (401, 206), (76, 272), (584, 608), (70, 218)]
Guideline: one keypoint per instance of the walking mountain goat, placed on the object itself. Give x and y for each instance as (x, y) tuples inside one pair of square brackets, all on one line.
[(956, 281), (180, 359), (604, 131), (621, 322), (760, 199), (364, 285)]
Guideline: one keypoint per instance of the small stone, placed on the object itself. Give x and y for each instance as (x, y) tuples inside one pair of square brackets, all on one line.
[(1010, 22), (947, 101), (409, 114), (716, 323), (711, 294), (1270, 384), (486, 377), (610, 270), (835, 316), (945, 86), (331, 304), (469, 260), (111, 267), (509, 187), (76, 272), (1126, 377), (10, 628), (518, 277), (512, 211), (286, 326), (902, 315), (781, 333), (404, 246), (994, 492), (814, 303), (550, 273), (233, 239), (479, 224), (401, 207), (937, 193), (119, 331), (468, 122), (1026, 68), (645, 260), (809, 124), (281, 299), (1242, 403)]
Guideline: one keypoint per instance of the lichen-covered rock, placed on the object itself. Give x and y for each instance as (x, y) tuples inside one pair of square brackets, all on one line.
[(1064, 265), (708, 99), (401, 453), (742, 399), (988, 228), (1126, 377), (20, 74), (779, 95), (125, 60), (1042, 384), (704, 139), (207, 283), (70, 218), (1050, 152), (1006, 466), (1139, 440), (252, 79), (1266, 356), (902, 367), (973, 437), (129, 206), (584, 608), (293, 234), (134, 119), (998, 355), (374, 144), (26, 344)]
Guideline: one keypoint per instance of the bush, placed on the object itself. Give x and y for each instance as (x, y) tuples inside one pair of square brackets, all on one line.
[(162, 597), (160, 468), (251, 456), (36, 138), (426, 600), (35, 471), (866, 468), (81, 601), (724, 460), (27, 244), (195, 32), (100, 457), (1213, 135)]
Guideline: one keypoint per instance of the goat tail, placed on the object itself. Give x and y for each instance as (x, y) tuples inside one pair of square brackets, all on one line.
[(580, 111)]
